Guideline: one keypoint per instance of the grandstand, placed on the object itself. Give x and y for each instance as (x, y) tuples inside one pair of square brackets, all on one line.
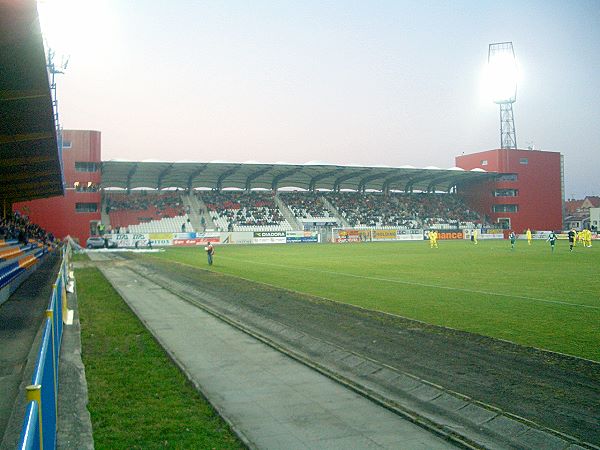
[(30, 168), (146, 212), (162, 211), (245, 211)]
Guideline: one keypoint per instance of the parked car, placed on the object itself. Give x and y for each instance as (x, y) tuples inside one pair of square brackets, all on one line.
[(100, 242)]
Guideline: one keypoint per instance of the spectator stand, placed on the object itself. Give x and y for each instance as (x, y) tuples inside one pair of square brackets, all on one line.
[(22, 245), (129, 210), (403, 210), (309, 209), (245, 211)]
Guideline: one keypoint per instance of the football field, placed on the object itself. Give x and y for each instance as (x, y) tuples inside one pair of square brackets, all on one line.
[(528, 295)]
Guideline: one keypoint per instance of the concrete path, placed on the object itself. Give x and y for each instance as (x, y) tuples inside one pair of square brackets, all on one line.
[(271, 400)]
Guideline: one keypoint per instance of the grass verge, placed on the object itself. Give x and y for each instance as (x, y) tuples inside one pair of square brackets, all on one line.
[(137, 397)]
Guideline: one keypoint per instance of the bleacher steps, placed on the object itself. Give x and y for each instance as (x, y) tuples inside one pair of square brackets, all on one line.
[(334, 212), (200, 204), (287, 213), (188, 202)]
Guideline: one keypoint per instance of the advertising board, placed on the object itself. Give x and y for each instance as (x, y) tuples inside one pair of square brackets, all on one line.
[(161, 239), (130, 240), (269, 237), (409, 235), (196, 239), (301, 236), (450, 235), (384, 235), (352, 235)]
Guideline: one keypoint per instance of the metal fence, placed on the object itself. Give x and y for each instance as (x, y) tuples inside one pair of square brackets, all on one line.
[(39, 423)]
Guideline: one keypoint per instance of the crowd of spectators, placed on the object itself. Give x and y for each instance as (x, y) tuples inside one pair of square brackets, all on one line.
[(402, 210), (165, 204), (19, 227), (372, 210), (242, 208), (435, 209), (305, 205)]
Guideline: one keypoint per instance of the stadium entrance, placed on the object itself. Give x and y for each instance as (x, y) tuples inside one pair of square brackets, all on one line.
[(504, 222)]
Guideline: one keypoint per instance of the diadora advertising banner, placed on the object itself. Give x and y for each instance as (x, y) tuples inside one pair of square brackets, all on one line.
[(269, 237), (301, 236)]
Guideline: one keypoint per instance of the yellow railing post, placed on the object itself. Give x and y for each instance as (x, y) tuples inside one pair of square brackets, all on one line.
[(34, 392)]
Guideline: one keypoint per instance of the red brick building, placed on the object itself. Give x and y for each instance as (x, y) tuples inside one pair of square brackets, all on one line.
[(78, 211), (527, 193)]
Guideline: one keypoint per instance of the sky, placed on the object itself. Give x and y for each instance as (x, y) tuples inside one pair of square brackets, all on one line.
[(344, 82)]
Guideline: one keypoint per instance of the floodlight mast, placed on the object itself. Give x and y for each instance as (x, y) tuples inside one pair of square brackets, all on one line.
[(503, 70), (55, 69)]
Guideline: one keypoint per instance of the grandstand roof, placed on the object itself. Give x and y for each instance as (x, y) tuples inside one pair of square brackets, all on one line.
[(220, 175), (30, 164)]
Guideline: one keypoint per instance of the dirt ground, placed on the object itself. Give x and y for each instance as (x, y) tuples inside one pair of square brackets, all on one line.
[(553, 390)]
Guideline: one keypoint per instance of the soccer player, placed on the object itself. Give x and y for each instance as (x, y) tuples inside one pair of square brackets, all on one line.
[(474, 236), (552, 238), (588, 238), (528, 233), (433, 239), (572, 235), (513, 238)]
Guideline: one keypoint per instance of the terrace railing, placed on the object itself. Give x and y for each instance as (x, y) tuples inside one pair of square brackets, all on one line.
[(39, 423)]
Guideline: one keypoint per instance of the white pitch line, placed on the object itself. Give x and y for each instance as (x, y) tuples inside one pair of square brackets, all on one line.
[(413, 283)]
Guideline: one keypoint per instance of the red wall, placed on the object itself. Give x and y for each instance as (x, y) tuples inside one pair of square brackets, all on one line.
[(57, 214), (539, 184)]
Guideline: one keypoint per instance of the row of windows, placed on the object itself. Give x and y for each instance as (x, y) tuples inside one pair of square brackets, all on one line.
[(506, 193), (505, 208), (86, 207), (87, 167), (524, 161), (507, 177)]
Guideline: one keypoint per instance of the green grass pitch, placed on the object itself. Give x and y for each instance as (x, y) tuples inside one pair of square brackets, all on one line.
[(527, 295)]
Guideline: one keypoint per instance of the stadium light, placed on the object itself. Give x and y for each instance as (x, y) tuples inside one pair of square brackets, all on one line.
[(502, 69), (502, 77)]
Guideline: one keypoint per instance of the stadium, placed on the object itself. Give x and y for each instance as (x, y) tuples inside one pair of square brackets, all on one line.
[(328, 316)]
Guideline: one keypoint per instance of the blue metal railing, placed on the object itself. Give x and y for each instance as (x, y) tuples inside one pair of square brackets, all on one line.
[(39, 423)]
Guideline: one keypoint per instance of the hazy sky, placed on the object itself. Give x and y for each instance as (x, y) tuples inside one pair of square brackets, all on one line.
[(345, 82)]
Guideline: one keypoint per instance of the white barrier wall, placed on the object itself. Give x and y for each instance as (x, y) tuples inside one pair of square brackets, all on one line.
[(342, 235), (191, 239)]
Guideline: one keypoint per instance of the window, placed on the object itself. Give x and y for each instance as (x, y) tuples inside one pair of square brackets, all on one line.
[(86, 167), (66, 144), (86, 207), (507, 177), (505, 208), (506, 193), (524, 161), (484, 162)]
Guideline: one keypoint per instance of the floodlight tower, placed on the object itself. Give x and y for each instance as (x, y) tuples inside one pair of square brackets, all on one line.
[(502, 69), (55, 69)]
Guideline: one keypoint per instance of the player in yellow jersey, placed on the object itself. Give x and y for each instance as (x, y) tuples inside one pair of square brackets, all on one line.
[(474, 236), (432, 239), (528, 233), (588, 238)]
